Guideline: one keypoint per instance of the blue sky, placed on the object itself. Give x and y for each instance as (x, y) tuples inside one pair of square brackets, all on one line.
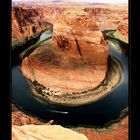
[(89, 1)]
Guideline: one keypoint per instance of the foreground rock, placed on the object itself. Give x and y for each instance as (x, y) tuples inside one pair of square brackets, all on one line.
[(118, 131), (108, 16), (115, 131), (122, 31), (20, 118), (45, 132)]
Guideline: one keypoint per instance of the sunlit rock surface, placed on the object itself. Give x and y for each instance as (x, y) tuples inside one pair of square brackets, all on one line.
[(77, 34), (122, 31), (45, 132), (108, 17), (20, 118)]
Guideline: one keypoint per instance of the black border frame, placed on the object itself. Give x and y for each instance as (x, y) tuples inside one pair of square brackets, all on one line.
[(5, 70)]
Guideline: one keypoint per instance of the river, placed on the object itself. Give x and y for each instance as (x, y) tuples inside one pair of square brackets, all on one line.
[(98, 113)]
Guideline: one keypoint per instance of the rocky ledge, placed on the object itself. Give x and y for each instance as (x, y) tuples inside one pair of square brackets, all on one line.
[(118, 131), (45, 132), (26, 126)]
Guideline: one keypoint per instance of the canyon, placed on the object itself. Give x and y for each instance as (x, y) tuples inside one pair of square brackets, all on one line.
[(27, 23), (78, 48), (30, 19), (73, 54)]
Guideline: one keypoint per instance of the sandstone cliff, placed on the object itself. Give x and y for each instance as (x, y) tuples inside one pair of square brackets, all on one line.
[(77, 33), (108, 18), (27, 23)]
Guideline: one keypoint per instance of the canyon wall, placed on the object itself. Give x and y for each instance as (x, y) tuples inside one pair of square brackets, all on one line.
[(29, 20), (27, 23)]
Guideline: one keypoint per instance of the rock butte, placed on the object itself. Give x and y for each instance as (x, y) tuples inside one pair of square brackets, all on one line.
[(77, 59)]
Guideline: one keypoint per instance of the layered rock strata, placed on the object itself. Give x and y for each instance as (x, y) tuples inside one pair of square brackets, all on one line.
[(27, 23), (108, 17), (75, 61), (77, 34), (45, 132), (118, 131), (29, 20), (122, 31)]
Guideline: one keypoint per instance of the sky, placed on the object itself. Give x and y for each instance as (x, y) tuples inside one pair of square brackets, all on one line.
[(89, 1)]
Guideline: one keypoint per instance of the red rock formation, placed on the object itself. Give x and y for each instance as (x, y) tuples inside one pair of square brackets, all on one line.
[(118, 131), (27, 20), (122, 31), (19, 119), (77, 61), (27, 23), (76, 33), (45, 132)]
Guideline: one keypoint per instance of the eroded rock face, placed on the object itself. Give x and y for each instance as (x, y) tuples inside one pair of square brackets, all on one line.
[(122, 31), (108, 17), (19, 118), (45, 132), (27, 23), (118, 131), (77, 34), (27, 20)]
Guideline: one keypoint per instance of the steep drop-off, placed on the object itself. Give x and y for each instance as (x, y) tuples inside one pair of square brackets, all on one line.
[(27, 23)]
